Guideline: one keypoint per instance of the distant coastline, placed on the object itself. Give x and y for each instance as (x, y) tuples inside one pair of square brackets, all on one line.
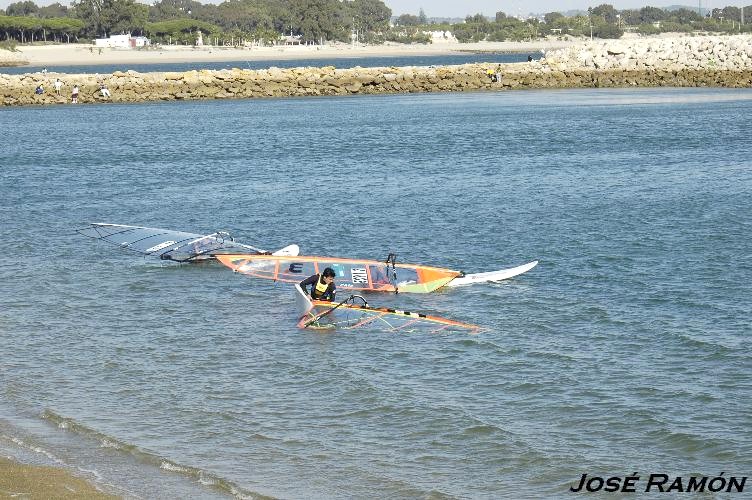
[(86, 54)]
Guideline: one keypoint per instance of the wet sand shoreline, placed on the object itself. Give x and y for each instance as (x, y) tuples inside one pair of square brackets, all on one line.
[(18, 480)]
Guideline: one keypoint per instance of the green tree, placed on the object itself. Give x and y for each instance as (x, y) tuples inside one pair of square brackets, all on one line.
[(90, 12), (371, 15), (180, 30), (422, 18), (685, 16), (603, 29), (21, 9), (477, 28), (245, 17), (631, 17), (174, 9), (63, 28), (408, 20), (124, 16), (477, 19), (552, 17), (20, 28), (727, 14), (605, 12), (318, 20), (105, 17), (652, 14), (53, 10)]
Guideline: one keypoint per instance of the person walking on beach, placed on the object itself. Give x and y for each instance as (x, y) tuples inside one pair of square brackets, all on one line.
[(322, 285), (74, 95), (57, 85)]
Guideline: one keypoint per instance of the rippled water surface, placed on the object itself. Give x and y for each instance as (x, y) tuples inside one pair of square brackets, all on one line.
[(625, 350), (338, 62)]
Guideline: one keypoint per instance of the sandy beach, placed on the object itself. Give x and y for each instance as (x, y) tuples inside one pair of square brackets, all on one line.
[(86, 54), (33, 481)]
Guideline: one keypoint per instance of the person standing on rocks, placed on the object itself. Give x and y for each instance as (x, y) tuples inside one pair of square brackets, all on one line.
[(74, 95), (57, 86)]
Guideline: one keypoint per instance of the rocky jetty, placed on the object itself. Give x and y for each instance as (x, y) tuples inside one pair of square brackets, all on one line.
[(688, 62), (711, 53)]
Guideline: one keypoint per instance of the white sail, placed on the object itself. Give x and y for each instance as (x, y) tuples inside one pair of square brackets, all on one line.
[(166, 244)]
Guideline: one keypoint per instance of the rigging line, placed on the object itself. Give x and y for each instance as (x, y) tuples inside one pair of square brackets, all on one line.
[(222, 236), (392, 258), (321, 315), (103, 232), (129, 243), (368, 320), (400, 327)]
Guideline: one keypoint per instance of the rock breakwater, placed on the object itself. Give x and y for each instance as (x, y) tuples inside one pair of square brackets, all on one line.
[(682, 62), (707, 53)]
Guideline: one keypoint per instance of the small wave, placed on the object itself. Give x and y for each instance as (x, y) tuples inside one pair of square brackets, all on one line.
[(145, 456), (691, 444), (206, 481), (106, 443), (173, 467), (481, 430), (36, 449)]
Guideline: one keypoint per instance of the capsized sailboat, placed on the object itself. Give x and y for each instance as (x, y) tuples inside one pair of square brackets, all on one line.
[(354, 312), (361, 274), (177, 246)]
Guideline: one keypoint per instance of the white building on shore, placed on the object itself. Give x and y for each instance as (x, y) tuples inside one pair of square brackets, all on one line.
[(441, 36), (122, 41)]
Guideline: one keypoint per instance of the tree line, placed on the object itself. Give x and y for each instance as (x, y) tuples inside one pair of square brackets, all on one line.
[(603, 21), (310, 21), (319, 21)]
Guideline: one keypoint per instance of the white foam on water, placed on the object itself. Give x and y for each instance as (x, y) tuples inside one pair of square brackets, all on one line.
[(106, 443), (172, 467)]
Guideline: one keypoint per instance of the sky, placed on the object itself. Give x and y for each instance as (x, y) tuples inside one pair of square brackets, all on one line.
[(455, 8)]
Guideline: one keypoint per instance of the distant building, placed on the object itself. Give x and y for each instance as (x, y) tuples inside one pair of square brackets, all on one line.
[(293, 40), (441, 36), (122, 41)]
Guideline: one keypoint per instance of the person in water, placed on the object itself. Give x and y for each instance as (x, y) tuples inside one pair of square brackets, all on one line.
[(322, 285)]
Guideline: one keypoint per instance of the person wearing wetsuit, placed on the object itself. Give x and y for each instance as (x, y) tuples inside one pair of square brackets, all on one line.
[(322, 285)]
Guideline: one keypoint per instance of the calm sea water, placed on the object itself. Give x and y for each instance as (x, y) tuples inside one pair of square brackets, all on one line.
[(625, 350), (338, 62)]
